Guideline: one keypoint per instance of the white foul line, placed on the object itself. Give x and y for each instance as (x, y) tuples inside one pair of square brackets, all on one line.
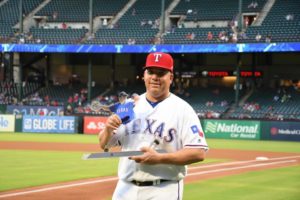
[(240, 162), (58, 187), (191, 174), (242, 167)]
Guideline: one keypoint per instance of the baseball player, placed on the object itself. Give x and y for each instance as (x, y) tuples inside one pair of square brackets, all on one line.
[(121, 107), (161, 121), (122, 97)]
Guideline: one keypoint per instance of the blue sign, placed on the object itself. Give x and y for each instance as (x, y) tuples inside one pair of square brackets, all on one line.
[(185, 48), (284, 131), (49, 124), (34, 110)]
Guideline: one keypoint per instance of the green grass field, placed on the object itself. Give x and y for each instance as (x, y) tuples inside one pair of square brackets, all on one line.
[(25, 168), (275, 184)]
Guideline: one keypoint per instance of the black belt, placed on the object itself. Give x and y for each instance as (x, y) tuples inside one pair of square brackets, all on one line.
[(148, 183)]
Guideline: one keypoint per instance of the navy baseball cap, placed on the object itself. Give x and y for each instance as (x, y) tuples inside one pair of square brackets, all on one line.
[(122, 94)]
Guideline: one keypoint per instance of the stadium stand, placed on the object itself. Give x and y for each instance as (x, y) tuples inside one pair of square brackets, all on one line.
[(196, 18), (281, 23), (212, 102), (139, 24), (280, 104), (65, 11), (200, 10), (58, 36), (67, 22), (9, 91)]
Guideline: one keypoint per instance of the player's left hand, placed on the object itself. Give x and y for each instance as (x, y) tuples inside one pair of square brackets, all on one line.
[(150, 156)]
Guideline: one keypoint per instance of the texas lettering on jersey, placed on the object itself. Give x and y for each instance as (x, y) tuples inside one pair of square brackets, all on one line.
[(153, 127)]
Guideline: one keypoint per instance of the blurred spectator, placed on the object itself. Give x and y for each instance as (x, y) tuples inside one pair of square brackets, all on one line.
[(104, 23), (29, 36), (246, 21), (284, 98), (158, 40), (69, 110), (133, 12), (131, 41), (54, 15), (253, 4), (64, 25), (209, 104), (268, 38), (258, 37), (276, 98), (143, 22), (209, 114), (243, 35), (190, 36), (280, 117), (156, 23), (224, 103), (195, 12), (54, 103), (193, 35), (223, 36), (189, 11), (150, 22), (21, 40), (289, 17), (270, 109), (90, 36), (209, 35), (234, 38), (47, 100), (173, 29)]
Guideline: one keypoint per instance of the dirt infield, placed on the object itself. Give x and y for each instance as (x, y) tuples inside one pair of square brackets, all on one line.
[(102, 188)]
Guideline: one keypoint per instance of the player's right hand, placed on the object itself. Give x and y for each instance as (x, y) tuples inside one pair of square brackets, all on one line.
[(113, 122), (150, 157)]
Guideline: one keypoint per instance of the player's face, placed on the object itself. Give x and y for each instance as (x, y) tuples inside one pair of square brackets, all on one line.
[(157, 82), (122, 99)]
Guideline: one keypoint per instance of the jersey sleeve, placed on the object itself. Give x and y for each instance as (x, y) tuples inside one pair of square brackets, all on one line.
[(114, 107), (192, 132)]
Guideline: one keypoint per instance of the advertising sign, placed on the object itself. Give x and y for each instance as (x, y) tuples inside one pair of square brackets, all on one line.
[(93, 125), (35, 110), (49, 124), (7, 123), (284, 131), (232, 129)]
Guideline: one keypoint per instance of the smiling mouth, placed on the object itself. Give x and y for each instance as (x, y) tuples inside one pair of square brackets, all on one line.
[(155, 84)]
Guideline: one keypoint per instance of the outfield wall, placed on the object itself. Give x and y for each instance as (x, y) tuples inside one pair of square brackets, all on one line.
[(251, 129), (38, 124), (213, 128)]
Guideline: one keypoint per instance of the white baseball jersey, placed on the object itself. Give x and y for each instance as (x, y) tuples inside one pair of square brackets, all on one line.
[(173, 122)]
